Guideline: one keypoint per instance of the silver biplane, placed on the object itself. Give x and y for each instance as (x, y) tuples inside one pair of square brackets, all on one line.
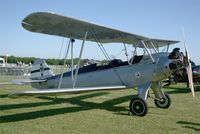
[(142, 71)]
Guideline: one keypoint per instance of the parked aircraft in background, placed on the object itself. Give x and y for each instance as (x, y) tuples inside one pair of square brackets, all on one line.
[(181, 76)]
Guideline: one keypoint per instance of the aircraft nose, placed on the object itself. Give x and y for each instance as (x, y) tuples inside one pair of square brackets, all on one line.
[(176, 54), (177, 58), (174, 65)]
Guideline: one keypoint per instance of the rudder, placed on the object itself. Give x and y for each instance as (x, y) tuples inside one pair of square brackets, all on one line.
[(40, 70)]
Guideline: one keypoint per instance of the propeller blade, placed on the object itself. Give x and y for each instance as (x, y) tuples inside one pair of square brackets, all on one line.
[(188, 67), (190, 78)]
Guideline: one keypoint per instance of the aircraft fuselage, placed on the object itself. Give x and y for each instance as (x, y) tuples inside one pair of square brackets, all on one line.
[(128, 75)]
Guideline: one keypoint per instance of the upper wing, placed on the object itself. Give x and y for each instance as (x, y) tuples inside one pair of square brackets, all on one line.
[(54, 24), (60, 91)]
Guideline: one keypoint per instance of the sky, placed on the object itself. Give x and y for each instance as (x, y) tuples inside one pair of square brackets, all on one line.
[(155, 19)]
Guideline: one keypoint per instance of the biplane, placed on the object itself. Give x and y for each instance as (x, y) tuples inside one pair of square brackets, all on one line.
[(144, 71)]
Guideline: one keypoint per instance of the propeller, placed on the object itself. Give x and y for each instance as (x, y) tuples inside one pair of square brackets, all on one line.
[(188, 66)]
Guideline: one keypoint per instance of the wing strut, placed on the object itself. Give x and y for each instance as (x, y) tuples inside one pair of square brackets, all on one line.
[(145, 47), (62, 71), (100, 45), (79, 59), (153, 46), (167, 48), (72, 60), (126, 54)]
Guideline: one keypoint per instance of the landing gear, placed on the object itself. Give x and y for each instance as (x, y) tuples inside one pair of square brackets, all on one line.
[(165, 102), (138, 106)]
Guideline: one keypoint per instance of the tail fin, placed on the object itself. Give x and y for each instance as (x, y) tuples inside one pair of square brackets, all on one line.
[(40, 70)]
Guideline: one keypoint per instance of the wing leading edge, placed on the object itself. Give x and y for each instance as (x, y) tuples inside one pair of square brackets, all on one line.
[(60, 91), (54, 24)]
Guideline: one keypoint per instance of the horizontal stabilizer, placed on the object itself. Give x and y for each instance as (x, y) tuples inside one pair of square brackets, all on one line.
[(60, 91), (26, 81)]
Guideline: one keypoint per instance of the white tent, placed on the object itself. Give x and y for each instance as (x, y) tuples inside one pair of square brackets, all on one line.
[(2, 61)]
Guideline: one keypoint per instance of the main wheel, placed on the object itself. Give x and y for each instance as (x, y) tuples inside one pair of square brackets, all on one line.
[(138, 106), (165, 103)]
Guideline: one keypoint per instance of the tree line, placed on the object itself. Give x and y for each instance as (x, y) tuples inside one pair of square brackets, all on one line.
[(50, 61), (53, 61)]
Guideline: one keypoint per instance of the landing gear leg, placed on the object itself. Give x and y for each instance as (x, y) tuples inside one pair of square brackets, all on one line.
[(162, 100)]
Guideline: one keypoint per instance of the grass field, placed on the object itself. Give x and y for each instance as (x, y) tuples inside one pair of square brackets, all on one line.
[(102, 112)]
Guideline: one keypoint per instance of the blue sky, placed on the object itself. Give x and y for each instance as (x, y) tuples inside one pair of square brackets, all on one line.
[(155, 18)]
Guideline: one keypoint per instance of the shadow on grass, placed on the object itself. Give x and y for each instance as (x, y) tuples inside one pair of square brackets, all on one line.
[(177, 90), (81, 105), (39, 114), (190, 125), (52, 102), (3, 95)]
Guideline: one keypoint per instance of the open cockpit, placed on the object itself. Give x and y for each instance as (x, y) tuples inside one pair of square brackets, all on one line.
[(112, 64)]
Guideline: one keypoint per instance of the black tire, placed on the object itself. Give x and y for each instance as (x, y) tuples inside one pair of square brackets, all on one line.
[(165, 103), (138, 106)]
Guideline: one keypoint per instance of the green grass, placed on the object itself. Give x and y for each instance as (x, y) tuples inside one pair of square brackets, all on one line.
[(6, 79), (101, 112)]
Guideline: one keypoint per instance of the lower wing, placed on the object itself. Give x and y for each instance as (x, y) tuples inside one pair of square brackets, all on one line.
[(60, 91), (26, 81)]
